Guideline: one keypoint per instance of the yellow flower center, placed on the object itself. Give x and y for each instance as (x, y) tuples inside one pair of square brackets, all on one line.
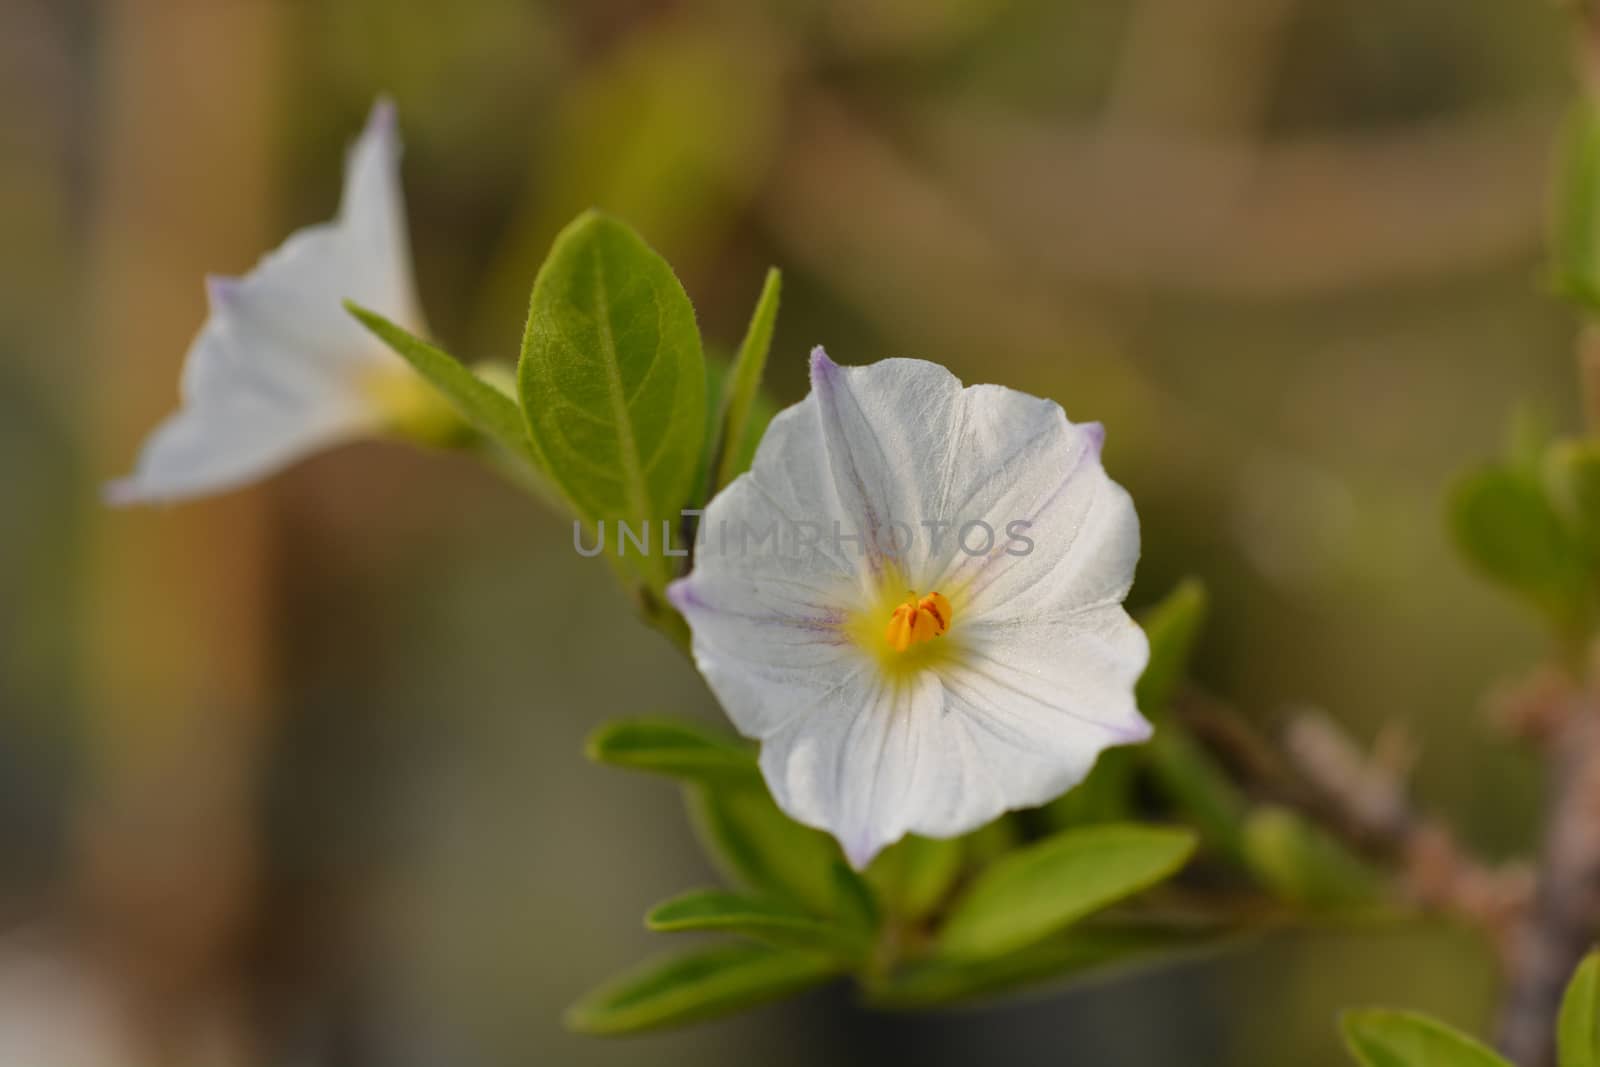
[(917, 636), (915, 621)]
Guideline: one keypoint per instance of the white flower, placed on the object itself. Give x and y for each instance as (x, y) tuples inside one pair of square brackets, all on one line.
[(916, 681), (279, 369)]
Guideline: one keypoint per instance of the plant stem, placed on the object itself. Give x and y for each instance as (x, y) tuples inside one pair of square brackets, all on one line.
[(1561, 925)]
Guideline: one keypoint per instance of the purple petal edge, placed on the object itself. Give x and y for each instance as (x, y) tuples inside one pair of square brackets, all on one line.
[(221, 288), (384, 120), (822, 368), (681, 595), (1096, 432), (860, 850)]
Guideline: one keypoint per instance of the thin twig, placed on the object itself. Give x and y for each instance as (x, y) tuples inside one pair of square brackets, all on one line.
[(1363, 799), (1366, 795), (1565, 915)]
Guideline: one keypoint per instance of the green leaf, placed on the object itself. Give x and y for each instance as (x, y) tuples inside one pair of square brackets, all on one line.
[(1506, 525), (1082, 952), (1198, 788), (915, 874), (854, 901), (613, 382), (1173, 627), (674, 748), (697, 985), (767, 919), (1299, 862), (1575, 219), (1378, 1037), (761, 848), (744, 384), (483, 406), (1578, 1028), (719, 378), (1188, 775), (1034, 891)]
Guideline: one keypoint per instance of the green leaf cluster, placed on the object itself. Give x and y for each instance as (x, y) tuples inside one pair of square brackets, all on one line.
[(1380, 1037), (928, 922)]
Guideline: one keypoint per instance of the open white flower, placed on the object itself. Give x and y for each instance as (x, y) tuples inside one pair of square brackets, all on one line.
[(280, 370), (922, 678)]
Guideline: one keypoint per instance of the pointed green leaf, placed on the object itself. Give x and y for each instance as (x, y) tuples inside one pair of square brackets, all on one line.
[(697, 985), (760, 847), (916, 874), (1173, 627), (674, 748), (853, 900), (1578, 1029), (767, 919), (1080, 953), (719, 379), (1506, 525), (1378, 1037), (1198, 787), (613, 382), (744, 383), (484, 407), (1032, 892), (1300, 862)]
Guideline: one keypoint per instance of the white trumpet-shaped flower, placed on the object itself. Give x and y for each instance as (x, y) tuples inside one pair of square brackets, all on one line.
[(936, 634), (279, 370)]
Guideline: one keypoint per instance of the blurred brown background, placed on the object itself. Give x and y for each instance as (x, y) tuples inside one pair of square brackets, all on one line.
[(293, 778)]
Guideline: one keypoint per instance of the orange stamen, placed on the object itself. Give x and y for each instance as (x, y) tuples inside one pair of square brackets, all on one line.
[(915, 621)]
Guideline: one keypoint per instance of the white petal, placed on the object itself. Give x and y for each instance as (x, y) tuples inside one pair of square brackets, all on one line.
[(1083, 540), (279, 369), (766, 618), (1014, 722), (1043, 697), (907, 443), (875, 761), (885, 436), (227, 444), (789, 483)]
